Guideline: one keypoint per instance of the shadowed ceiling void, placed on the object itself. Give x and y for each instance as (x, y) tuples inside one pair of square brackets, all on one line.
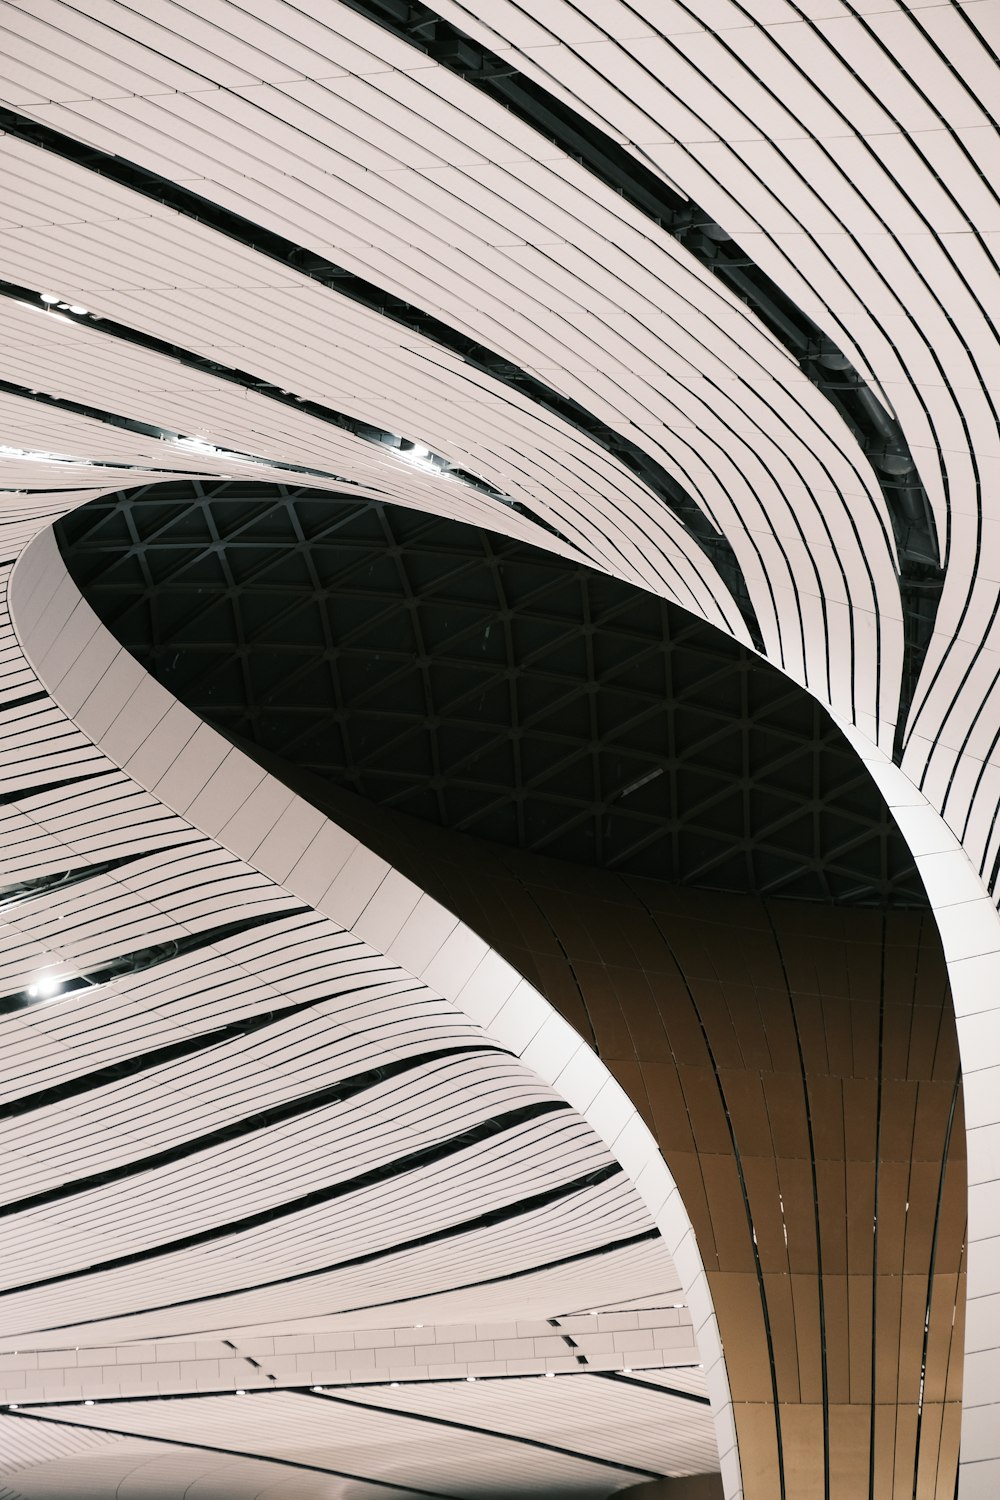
[(486, 686)]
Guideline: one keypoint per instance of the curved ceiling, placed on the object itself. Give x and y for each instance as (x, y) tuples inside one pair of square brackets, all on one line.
[(485, 685), (693, 293)]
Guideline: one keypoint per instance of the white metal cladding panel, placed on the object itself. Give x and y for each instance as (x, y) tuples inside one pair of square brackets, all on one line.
[(587, 1221), (603, 360), (81, 1464), (58, 1144), (268, 1169), (366, 1443), (525, 1161), (851, 156), (314, 324), (587, 1413)]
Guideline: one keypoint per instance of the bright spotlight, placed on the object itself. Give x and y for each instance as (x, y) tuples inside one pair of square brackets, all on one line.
[(45, 986)]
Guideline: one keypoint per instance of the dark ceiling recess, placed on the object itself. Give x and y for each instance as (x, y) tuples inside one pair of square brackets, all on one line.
[(486, 686)]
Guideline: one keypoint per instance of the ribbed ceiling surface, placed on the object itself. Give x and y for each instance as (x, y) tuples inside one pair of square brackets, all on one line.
[(481, 684)]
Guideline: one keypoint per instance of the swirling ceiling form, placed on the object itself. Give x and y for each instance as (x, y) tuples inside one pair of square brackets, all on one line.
[(697, 294)]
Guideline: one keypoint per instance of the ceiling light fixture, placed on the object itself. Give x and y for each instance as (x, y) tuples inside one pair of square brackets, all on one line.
[(50, 297), (44, 986)]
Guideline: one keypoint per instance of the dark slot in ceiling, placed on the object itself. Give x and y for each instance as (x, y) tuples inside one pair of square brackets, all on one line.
[(486, 686)]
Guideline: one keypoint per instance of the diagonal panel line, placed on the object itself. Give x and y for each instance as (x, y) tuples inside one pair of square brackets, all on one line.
[(508, 1437), (286, 1463), (714, 546), (261, 1119), (468, 1226), (412, 1162)]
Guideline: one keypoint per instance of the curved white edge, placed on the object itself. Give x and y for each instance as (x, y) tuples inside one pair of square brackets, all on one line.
[(969, 926), (172, 754)]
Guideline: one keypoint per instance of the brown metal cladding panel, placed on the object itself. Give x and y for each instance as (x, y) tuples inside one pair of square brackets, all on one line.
[(632, 1078), (691, 952), (888, 1307), (757, 1435), (826, 1113), (747, 1111), (739, 1310), (795, 1179), (777, 1019), (850, 1451), (641, 1014), (672, 1125), (686, 1169), (613, 1036), (884, 1454), (922, 1218), (786, 1109), (839, 1353), (751, 1035), (840, 1045), (948, 1254), (680, 1021), (896, 1117), (798, 953), (957, 1147), (951, 1438), (829, 959), (900, 972), (831, 1187), (929, 1426), (906, 1452), (864, 961), (762, 959), (859, 1313), (927, 1056), (813, 1034), (944, 1291), (557, 984), (710, 1002), (931, 976), (761, 1178), (726, 1206), (865, 1031), (913, 1313), (804, 1452), (947, 1062), (896, 1051), (860, 1097), (706, 1109), (956, 1369), (700, 982), (860, 1182), (594, 941), (893, 1188), (808, 1339), (781, 1316), (934, 1105)]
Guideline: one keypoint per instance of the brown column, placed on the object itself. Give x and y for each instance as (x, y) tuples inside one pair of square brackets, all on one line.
[(798, 1065)]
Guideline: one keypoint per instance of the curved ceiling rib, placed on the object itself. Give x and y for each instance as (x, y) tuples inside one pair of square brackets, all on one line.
[(713, 543), (708, 312)]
